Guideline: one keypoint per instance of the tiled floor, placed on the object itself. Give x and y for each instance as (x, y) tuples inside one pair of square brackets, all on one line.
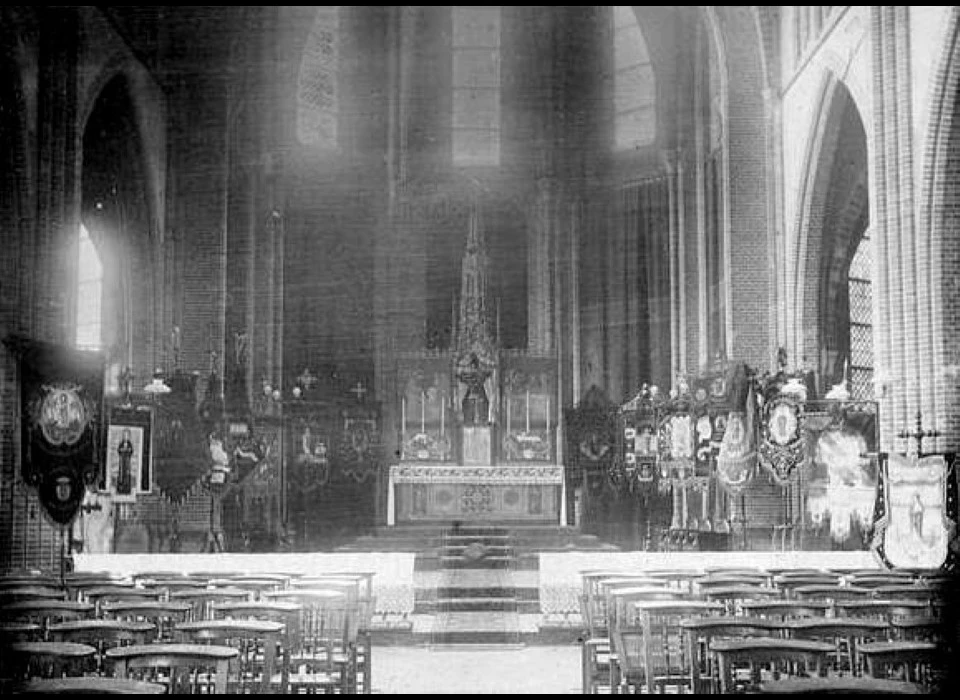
[(524, 670)]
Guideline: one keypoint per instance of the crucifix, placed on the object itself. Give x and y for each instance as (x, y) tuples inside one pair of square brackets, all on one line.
[(918, 435), (358, 391)]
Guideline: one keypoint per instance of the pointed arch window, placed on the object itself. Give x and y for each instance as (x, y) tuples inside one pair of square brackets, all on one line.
[(635, 87), (89, 334), (476, 85), (318, 93), (860, 289)]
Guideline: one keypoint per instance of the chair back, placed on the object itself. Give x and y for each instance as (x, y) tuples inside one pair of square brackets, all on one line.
[(256, 641), (185, 669), (102, 635), (162, 614)]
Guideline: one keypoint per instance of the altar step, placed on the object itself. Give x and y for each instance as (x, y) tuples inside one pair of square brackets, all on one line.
[(475, 599), (525, 538)]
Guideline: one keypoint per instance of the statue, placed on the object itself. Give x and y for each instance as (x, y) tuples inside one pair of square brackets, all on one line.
[(476, 403), (125, 450)]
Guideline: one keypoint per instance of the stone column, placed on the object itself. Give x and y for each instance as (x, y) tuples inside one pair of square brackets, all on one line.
[(56, 238), (540, 251)]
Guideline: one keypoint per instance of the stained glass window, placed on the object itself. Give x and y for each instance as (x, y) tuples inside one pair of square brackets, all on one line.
[(635, 87), (89, 294), (318, 100), (476, 85)]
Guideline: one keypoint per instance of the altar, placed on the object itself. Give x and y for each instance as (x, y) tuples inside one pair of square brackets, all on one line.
[(444, 493), (478, 426)]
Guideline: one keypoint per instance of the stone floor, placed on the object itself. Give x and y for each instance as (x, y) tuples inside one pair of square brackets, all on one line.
[(526, 670)]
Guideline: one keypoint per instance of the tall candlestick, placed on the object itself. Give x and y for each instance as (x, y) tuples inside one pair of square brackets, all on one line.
[(403, 415), (423, 412), (528, 411)]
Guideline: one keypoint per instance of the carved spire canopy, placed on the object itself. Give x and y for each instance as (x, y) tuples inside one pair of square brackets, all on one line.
[(474, 339)]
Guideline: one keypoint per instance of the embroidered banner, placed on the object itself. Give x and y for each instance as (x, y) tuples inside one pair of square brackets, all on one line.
[(61, 392), (912, 529), (781, 443), (737, 460)]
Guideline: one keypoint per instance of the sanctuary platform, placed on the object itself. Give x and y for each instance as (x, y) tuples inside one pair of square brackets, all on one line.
[(433, 586)]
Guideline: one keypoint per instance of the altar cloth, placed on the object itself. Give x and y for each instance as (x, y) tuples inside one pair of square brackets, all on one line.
[(422, 493)]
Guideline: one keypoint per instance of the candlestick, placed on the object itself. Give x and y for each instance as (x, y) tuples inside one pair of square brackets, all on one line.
[(403, 415), (423, 412), (528, 411)]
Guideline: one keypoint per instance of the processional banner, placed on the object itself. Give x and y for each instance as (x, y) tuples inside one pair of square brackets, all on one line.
[(915, 518), (61, 392)]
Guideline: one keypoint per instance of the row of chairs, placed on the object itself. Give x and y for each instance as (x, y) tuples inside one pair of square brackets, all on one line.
[(696, 630), (234, 632)]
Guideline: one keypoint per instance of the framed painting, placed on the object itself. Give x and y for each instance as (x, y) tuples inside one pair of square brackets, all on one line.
[(129, 464)]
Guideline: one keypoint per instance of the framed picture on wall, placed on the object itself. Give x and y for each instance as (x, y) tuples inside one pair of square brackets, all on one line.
[(129, 463)]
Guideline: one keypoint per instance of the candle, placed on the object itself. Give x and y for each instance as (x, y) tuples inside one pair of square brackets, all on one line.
[(548, 414), (509, 426), (423, 412), (403, 415), (528, 411), (443, 404)]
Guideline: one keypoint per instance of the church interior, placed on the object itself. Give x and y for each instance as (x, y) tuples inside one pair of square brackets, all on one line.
[(358, 349)]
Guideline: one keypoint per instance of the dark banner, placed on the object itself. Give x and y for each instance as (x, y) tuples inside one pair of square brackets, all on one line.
[(61, 400)]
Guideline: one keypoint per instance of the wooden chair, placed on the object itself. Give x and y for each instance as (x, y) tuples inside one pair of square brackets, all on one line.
[(26, 660), (653, 629), (256, 642), (873, 581), (788, 583), (98, 595), (678, 578), (163, 614), (785, 609), (13, 631), (847, 685), (254, 585), (624, 649), (284, 612), (845, 633), (913, 628), (831, 592), (201, 599), (181, 668), (358, 585), (323, 658), (884, 609), (45, 612), (102, 635), (733, 597), (910, 661), (701, 631), (87, 685), (795, 656)]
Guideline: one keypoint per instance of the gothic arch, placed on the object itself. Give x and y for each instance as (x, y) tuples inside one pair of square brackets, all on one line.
[(822, 254), (148, 108), (116, 208), (938, 244)]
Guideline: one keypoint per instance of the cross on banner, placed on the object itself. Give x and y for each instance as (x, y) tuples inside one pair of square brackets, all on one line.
[(918, 435), (358, 391)]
